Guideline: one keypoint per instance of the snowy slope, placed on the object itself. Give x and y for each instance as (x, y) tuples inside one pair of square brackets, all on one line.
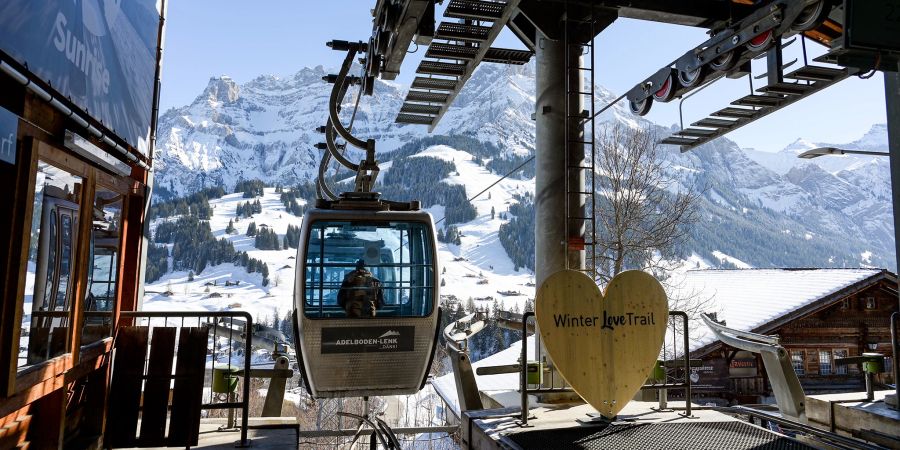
[(262, 302), (480, 252), (479, 257), (263, 129)]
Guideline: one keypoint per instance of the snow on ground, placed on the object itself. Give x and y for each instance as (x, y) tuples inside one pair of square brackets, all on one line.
[(723, 258), (477, 268), (480, 252), (208, 290), (866, 257)]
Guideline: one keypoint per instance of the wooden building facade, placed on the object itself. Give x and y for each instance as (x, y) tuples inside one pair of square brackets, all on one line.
[(850, 320), (77, 121)]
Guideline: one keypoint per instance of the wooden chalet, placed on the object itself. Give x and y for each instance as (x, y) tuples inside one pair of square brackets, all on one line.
[(820, 315)]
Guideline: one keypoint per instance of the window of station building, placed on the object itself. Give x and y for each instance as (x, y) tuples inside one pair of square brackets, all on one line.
[(798, 362), (840, 369), (398, 255), (100, 298), (825, 366), (870, 303), (49, 289)]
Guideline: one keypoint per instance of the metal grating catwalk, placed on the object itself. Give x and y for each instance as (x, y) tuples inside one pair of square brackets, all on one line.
[(694, 436), (455, 52)]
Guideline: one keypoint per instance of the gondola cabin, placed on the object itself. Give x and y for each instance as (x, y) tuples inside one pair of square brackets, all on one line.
[(53, 290), (385, 352)]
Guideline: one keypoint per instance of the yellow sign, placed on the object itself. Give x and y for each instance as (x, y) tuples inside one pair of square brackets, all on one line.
[(604, 345)]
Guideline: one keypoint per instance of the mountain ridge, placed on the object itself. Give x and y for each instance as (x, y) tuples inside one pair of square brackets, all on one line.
[(263, 129)]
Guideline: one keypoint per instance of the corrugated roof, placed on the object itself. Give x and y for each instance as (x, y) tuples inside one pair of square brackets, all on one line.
[(747, 299)]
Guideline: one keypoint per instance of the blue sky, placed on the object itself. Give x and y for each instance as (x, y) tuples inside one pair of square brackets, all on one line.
[(207, 38)]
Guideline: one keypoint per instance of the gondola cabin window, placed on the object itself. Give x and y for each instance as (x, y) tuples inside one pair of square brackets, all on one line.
[(100, 297), (398, 254), (51, 266)]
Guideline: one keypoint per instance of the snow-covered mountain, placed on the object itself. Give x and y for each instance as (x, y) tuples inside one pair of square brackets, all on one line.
[(762, 209), (265, 128)]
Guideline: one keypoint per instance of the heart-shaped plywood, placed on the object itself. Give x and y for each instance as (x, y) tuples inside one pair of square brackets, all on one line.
[(604, 345)]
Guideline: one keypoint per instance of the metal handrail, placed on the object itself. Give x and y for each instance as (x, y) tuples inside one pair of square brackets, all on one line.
[(523, 373), (686, 385), (832, 438), (895, 317), (244, 403)]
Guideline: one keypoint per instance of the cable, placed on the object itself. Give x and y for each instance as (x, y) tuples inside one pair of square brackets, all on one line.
[(866, 76), (493, 184), (356, 106), (602, 110)]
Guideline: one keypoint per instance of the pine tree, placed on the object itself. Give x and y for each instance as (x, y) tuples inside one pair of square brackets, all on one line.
[(230, 228), (529, 305), (276, 321), (287, 327), (492, 213), (191, 276)]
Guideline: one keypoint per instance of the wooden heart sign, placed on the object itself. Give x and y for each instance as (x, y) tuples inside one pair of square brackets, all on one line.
[(604, 345)]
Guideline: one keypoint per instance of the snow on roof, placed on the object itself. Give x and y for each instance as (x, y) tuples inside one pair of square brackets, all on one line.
[(445, 385), (749, 298)]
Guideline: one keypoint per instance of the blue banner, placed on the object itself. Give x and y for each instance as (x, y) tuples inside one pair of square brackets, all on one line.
[(9, 124), (101, 54)]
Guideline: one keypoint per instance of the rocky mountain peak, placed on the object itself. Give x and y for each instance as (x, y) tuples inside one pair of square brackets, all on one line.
[(799, 146), (875, 139), (221, 89)]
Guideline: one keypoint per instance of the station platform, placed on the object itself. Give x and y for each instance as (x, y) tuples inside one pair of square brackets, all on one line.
[(268, 433), (850, 414), (639, 426)]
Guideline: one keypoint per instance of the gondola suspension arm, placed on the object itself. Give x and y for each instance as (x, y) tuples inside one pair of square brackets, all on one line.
[(367, 170)]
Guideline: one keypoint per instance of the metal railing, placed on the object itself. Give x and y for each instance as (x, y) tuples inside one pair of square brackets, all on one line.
[(523, 370), (686, 364), (834, 440), (895, 358), (145, 317)]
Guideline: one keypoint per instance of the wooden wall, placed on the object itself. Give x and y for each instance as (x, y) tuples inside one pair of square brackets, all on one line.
[(58, 403)]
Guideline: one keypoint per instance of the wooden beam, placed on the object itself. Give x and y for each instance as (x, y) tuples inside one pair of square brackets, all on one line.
[(130, 251), (82, 264), (31, 394), (16, 259)]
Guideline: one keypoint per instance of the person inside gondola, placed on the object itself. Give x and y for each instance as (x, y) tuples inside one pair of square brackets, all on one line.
[(361, 293)]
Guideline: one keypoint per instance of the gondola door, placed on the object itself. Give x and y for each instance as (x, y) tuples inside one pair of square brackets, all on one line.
[(53, 282)]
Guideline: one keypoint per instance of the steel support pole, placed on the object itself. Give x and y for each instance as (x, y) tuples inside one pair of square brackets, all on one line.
[(551, 134), (892, 105), (552, 226)]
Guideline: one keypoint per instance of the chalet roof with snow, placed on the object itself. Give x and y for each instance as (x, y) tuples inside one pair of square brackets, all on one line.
[(761, 300)]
